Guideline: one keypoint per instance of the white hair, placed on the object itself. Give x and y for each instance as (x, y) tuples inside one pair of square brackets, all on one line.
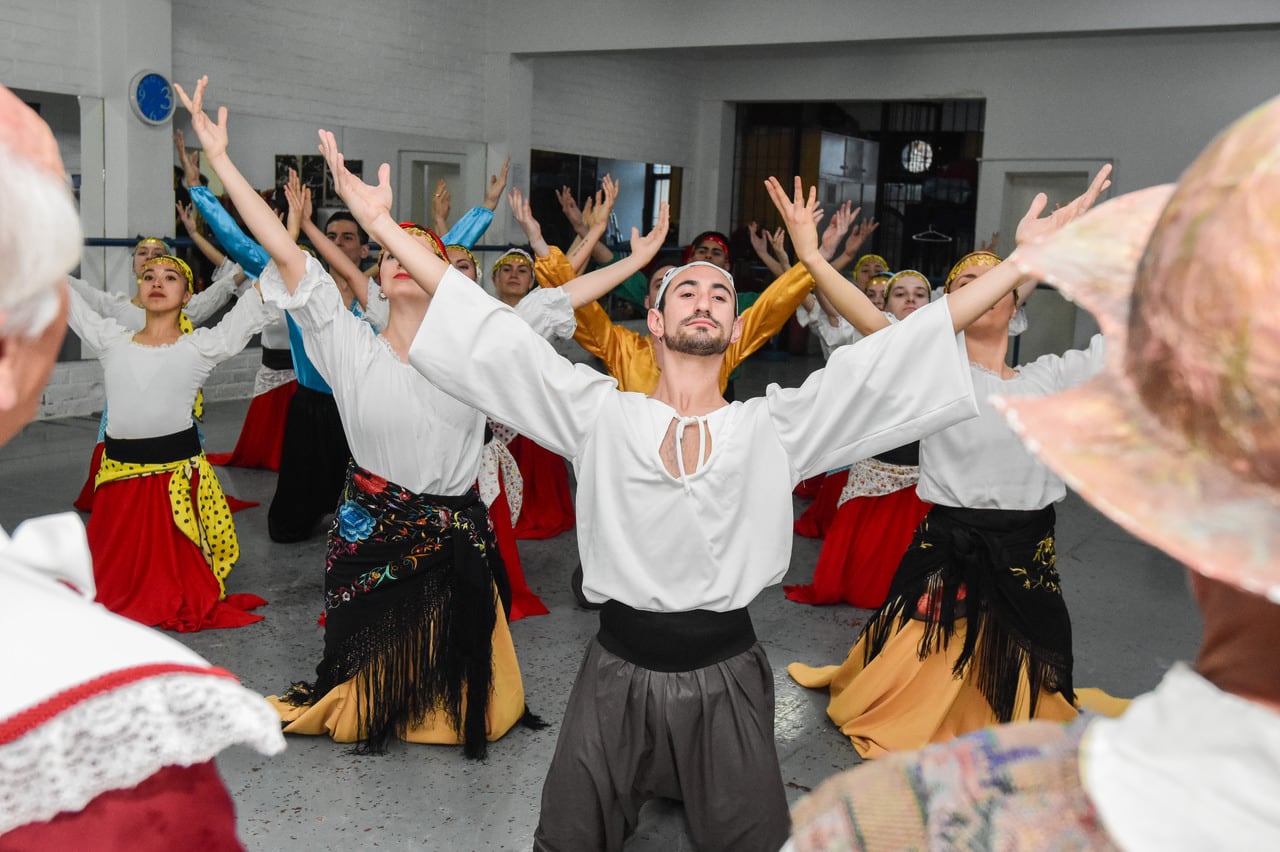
[(40, 242)]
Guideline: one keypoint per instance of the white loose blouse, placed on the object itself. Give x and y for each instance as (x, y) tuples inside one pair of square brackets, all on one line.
[(981, 463), (398, 424), (121, 308), (547, 310), (151, 389), (712, 538)]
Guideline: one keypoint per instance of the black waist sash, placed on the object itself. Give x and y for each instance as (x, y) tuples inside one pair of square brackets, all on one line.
[(996, 569), (410, 609), (277, 359), (907, 455), (674, 641), (161, 449)]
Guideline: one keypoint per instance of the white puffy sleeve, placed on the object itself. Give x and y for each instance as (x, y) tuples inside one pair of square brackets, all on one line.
[(549, 312), (98, 332), (328, 328), (233, 332), (479, 351), (205, 304), (886, 390)]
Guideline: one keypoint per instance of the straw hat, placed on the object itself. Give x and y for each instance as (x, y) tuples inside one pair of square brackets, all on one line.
[(1178, 439)]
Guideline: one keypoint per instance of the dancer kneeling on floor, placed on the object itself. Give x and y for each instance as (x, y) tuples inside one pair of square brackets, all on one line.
[(975, 630), (683, 503), (161, 533)]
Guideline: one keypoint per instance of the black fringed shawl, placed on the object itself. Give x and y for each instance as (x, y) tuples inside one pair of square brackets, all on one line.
[(994, 568), (409, 601)]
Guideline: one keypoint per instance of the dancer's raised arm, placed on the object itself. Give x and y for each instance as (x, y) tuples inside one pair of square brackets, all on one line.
[(257, 214), (352, 283), (1032, 226), (595, 215), (371, 206), (798, 216), (593, 285)]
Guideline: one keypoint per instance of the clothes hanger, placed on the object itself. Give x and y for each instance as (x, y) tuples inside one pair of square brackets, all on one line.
[(932, 236)]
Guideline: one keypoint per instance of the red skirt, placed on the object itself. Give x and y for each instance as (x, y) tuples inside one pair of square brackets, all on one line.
[(523, 601), (547, 510), (148, 570), (86, 499), (262, 435), (814, 521), (177, 807), (808, 488), (862, 550)]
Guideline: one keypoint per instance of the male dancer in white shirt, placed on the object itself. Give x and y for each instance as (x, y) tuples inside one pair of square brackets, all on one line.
[(684, 513)]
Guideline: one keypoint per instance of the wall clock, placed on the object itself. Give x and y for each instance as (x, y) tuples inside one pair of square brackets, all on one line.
[(151, 97)]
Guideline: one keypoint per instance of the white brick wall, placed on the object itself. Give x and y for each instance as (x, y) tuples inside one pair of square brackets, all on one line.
[(393, 65), (50, 45), (624, 106), (75, 388)]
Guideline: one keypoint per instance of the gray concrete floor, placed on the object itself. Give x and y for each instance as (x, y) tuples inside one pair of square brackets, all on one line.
[(1129, 603)]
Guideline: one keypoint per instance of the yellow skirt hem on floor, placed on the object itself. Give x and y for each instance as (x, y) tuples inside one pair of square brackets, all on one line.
[(899, 702)]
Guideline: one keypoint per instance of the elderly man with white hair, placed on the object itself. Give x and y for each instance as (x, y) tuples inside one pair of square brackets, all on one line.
[(109, 732)]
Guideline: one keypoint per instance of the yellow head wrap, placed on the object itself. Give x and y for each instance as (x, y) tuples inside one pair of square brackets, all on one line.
[(184, 321), (973, 258), (868, 258)]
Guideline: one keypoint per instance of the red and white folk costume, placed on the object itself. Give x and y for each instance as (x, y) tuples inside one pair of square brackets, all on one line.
[(161, 533), (108, 730), (122, 308), (261, 438), (547, 507)]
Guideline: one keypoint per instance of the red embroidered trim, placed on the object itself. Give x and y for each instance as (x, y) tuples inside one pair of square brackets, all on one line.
[(33, 717)]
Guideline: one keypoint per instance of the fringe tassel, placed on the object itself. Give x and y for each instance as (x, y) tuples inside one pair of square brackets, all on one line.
[(429, 650)]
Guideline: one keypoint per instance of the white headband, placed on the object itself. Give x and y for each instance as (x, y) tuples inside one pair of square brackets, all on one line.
[(674, 271)]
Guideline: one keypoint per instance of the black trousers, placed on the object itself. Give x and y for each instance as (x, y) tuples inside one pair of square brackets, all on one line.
[(313, 466)]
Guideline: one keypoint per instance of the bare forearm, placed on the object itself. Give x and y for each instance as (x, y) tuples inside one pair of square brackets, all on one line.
[(775, 268), (848, 301), (586, 248), (587, 288), (207, 248), (352, 283), (261, 221), (421, 262), (976, 298)]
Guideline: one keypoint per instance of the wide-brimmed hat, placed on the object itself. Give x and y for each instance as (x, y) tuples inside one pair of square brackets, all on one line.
[(1178, 439)]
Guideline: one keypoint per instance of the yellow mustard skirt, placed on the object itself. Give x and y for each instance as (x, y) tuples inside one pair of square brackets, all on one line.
[(334, 713), (898, 702)]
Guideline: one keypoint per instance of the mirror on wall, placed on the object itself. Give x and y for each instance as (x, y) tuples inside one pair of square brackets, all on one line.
[(643, 187)]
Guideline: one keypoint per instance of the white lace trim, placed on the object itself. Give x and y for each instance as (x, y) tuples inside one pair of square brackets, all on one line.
[(120, 738), (268, 380), (875, 478)]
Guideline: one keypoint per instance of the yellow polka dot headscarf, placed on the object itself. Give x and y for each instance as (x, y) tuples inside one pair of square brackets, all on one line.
[(177, 263)]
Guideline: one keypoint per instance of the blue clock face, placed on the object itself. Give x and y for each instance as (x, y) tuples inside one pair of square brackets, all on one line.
[(152, 98)]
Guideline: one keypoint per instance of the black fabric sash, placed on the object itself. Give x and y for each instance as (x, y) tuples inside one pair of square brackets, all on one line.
[(907, 455), (674, 641), (996, 569), (277, 359), (409, 589), (161, 449)]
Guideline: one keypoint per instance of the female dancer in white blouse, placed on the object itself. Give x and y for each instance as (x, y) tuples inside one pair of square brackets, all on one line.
[(130, 312), (975, 630), (161, 533), (416, 644)]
